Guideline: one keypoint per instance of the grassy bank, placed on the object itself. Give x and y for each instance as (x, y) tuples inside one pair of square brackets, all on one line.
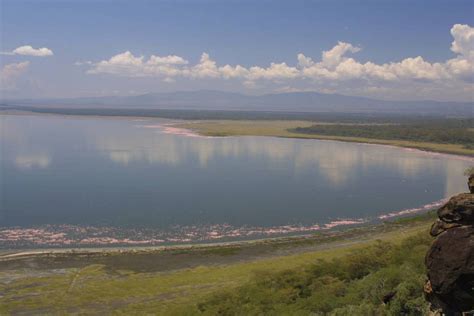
[(209, 280), (299, 129)]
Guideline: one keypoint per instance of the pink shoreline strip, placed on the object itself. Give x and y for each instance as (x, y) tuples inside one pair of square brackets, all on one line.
[(408, 211), (61, 235), (91, 235), (169, 129)]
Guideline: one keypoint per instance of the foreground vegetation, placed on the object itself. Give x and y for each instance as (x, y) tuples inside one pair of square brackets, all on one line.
[(383, 279), (445, 136), (345, 275)]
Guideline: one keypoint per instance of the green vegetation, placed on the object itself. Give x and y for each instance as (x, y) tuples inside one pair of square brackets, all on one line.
[(347, 273), (445, 132), (355, 284)]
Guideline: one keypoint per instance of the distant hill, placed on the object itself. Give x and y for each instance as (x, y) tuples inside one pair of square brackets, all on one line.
[(295, 102)]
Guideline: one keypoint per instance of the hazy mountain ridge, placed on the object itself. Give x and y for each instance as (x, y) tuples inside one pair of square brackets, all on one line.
[(293, 101)]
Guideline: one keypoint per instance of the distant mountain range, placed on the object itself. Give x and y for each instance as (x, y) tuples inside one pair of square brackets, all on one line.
[(295, 102)]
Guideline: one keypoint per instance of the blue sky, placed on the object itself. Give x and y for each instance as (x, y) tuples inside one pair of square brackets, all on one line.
[(83, 37)]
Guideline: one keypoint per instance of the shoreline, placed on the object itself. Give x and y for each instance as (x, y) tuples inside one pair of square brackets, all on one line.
[(52, 238), (421, 146), (267, 246)]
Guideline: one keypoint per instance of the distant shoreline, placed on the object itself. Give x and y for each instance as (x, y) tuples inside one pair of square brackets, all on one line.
[(223, 128), (214, 128)]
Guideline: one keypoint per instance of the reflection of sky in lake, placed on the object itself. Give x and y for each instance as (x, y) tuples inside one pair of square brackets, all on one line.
[(106, 171)]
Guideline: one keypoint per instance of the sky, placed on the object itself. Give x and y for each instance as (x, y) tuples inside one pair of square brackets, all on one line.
[(396, 50)]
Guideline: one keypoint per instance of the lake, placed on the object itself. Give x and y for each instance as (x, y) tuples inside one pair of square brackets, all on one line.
[(92, 181)]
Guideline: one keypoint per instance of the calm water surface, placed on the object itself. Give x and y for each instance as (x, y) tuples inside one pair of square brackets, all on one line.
[(96, 181)]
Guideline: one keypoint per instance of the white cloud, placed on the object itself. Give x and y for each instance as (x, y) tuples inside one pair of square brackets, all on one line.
[(238, 71), (126, 64), (463, 43), (205, 68), (10, 73), (274, 72), (167, 60), (335, 69), (334, 56), (304, 61), (28, 50)]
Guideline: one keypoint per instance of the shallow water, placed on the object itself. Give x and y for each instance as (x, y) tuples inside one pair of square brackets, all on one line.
[(100, 181)]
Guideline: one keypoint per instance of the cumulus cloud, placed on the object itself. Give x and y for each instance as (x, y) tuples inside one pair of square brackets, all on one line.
[(11, 72), (126, 64), (28, 50), (335, 66), (463, 43), (205, 68)]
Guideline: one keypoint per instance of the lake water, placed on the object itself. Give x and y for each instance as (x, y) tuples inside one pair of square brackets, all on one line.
[(68, 181)]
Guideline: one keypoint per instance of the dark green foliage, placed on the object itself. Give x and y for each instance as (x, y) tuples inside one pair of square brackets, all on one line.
[(355, 284), (435, 131)]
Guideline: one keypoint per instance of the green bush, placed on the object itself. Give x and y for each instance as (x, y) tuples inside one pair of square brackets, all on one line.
[(355, 284)]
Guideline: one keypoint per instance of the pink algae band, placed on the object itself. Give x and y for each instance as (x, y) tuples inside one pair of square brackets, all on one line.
[(73, 235), (411, 211)]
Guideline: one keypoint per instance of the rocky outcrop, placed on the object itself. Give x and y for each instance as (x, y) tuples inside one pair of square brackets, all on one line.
[(450, 260), (458, 210)]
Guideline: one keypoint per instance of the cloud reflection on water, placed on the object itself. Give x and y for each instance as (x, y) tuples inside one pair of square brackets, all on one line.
[(336, 161), (29, 161)]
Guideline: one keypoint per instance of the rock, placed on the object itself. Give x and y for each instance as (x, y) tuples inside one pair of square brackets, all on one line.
[(459, 209), (450, 260), (439, 226), (450, 264), (388, 297)]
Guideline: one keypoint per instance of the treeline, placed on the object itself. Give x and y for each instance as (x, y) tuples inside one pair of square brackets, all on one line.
[(436, 131), (383, 279)]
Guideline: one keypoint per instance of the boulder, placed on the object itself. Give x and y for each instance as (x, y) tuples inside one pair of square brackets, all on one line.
[(459, 209), (450, 260), (450, 265), (439, 226)]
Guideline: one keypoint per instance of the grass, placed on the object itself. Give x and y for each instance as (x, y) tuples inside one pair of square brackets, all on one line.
[(283, 129), (101, 289)]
